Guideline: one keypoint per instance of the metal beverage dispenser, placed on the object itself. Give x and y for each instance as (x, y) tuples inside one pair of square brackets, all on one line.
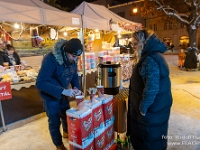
[(109, 75)]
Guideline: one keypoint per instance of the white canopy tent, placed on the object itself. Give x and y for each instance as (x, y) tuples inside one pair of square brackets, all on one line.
[(99, 17), (36, 12)]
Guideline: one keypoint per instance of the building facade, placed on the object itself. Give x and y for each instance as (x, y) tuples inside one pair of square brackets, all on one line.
[(169, 32)]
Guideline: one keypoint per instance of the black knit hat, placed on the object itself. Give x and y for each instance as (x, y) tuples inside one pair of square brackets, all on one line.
[(73, 47)]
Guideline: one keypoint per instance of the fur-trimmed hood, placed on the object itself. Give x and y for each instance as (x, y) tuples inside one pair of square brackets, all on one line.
[(57, 51)]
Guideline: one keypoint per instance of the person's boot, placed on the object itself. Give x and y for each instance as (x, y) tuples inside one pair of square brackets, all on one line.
[(62, 147), (65, 134)]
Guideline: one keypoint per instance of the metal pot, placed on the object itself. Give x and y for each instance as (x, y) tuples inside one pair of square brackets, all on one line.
[(110, 77)]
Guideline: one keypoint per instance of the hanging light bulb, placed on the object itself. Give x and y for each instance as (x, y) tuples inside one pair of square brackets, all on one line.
[(16, 25), (119, 36), (97, 30), (65, 33)]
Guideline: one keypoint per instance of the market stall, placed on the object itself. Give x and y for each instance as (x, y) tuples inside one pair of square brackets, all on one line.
[(103, 47), (99, 17), (25, 102), (32, 16)]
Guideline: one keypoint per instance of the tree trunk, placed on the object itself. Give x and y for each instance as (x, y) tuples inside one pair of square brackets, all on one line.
[(192, 41), (192, 36)]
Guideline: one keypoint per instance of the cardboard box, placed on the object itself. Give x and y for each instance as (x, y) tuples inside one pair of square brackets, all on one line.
[(80, 127), (109, 136), (97, 114), (74, 146), (113, 147), (107, 102), (99, 140)]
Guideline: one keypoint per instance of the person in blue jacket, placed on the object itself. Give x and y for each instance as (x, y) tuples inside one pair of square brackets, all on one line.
[(58, 71), (150, 97)]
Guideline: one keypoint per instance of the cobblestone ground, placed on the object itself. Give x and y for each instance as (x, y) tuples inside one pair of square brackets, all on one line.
[(184, 130), (184, 124)]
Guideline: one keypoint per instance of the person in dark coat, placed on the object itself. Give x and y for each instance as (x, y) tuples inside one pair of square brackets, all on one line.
[(191, 59), (3, 58), (150, 97), (14, 58), (58, 71)]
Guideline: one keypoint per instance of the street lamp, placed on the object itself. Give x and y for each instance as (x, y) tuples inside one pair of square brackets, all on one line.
[(135, 10)]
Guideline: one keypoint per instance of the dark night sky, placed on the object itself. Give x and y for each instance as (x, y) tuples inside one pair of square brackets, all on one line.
[(73, 3)]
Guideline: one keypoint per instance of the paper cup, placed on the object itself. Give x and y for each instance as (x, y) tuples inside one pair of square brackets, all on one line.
[(6, 65), (100, 90), (17, 67), (79, 101), (92, 96)]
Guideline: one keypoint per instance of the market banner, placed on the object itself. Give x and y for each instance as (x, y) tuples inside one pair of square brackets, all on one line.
[(5, 91)]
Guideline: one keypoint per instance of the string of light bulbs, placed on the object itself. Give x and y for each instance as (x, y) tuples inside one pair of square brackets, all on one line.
[(16, 39)]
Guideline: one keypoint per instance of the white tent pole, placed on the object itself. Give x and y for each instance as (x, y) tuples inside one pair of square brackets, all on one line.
[(83, 60), (2, 117)]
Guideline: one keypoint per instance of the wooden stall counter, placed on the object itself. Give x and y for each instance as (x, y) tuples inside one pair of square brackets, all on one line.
[(91, 78), (25, 102)]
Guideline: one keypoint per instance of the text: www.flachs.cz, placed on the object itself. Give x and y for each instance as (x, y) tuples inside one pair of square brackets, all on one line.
[(184, 143)]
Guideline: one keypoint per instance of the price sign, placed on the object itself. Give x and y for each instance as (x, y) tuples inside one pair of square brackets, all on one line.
[(5, 91)]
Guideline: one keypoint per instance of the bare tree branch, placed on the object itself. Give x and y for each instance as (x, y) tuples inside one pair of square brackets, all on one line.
[(174, 11), (195, 2), (197, 21), (188, 3), (171, 12)]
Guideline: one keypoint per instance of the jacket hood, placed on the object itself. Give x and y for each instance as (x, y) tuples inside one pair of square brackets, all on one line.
[(153, 44), (57, 51)]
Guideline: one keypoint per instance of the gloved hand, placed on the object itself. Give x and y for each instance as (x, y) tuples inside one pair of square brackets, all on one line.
[(77, 91), (69, 92)]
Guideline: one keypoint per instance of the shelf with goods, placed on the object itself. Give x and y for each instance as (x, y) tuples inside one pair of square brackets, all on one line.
[(92, 59), (25, 101), (17, 74)]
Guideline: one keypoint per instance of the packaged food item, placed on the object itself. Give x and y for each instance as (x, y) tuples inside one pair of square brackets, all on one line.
[(74, 146), (109, 136), (15, 78), (80, 127), (1, 68), (107, 103), (6, 78), (97, 115), (99, 141)]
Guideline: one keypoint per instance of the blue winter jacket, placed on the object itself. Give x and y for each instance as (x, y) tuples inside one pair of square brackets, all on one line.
[(55, 76)]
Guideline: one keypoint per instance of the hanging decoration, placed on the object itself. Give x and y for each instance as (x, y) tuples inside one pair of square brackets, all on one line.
[(125, 26), (20, 34), (97, 35), (129, 26), (53, 34), (91, 36)]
